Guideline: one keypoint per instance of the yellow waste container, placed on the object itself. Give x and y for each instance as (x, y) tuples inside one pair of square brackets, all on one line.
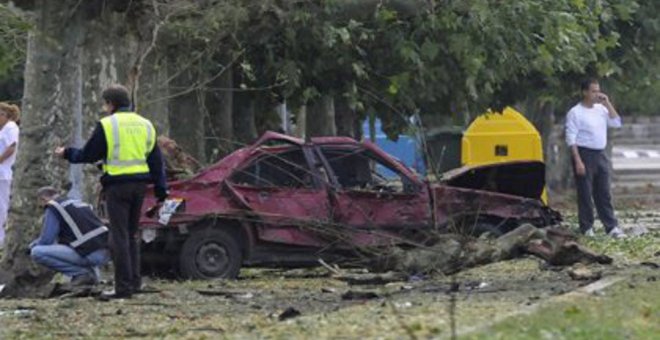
[(494, 137)]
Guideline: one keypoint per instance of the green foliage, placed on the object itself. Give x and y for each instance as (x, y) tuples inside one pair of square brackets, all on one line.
[(636, 80), (13, 40), (439, 58), (401, 57), (198, 38)]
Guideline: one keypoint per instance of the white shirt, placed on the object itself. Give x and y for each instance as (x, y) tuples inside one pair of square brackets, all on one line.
[(8, 136), (587, 126)]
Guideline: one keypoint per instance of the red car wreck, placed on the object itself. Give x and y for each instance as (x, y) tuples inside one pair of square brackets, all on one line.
[(286, 201)]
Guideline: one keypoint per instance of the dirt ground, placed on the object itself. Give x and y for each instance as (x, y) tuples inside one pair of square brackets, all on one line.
[(310, 303)]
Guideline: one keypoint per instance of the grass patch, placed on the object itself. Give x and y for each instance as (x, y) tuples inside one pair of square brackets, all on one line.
[(629, 250), (625, 311)]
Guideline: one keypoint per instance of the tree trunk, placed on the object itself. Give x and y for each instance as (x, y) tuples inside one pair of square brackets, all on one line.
[(301, 122), (345, 119), (555, 152), (153, 93), (220, 107), (107, 55), (559, 172), (372, 126), (285, 117), (321, 117), (245, 126), (545, 124), (75, 50), (186, 116)]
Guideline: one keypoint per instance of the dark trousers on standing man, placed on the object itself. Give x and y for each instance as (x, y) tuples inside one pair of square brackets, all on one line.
[(594, 189), (123, 205)]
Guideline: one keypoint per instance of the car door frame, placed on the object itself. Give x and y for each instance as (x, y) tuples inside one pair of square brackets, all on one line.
[(288, 227), (338, 194)]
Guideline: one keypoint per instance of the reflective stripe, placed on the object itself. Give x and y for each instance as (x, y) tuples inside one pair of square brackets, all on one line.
[(115, 137), (80, 238), (130, 138), (127, 163), (150, 136), (76, 203), (67, 218), (90, 235)]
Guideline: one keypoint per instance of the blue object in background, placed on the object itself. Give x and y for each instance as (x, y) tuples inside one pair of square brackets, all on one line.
[(407, 150)]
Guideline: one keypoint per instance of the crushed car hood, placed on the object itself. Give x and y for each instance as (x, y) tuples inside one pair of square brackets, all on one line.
[(519, 178)]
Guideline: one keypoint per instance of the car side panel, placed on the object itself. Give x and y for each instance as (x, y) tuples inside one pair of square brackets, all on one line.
[(451, 204), (291, 216), (200, 200), (372, 209)]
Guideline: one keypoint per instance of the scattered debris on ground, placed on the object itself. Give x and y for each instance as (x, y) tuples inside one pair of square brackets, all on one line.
[(557, 246), (353, 302), (328, 307), (288, 313), (452, 253), (582, 273), (359, 295)]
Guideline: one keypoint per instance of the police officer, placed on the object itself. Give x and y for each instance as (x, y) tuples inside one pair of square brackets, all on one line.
[(126, 143), (73, 240)]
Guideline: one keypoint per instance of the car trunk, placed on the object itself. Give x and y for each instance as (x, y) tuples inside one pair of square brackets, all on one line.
[(520, 178)]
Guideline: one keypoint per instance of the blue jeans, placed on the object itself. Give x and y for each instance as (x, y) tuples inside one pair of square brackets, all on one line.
[(67, 261)]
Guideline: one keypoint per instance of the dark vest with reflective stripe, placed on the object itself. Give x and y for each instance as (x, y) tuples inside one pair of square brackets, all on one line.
[(82, 230)]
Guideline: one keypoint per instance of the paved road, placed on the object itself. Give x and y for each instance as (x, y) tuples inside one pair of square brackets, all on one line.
[(642, 157), (636, 173)]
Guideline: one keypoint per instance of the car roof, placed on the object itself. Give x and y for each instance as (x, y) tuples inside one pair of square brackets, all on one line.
[(220, 169)]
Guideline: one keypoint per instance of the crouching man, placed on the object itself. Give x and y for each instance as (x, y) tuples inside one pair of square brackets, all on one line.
[(73, 240)]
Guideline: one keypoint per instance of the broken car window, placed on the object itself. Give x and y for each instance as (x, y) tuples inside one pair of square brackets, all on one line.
[(359, 170), (283, 169)]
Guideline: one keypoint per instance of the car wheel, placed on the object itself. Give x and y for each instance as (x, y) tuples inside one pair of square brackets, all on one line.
[(210, 254)]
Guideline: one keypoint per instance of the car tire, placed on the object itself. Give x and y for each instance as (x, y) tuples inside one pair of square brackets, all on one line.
[(210, 253)]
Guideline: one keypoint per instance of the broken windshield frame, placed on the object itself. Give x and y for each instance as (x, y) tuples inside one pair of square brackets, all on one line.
[(408, 185), (311, 178)]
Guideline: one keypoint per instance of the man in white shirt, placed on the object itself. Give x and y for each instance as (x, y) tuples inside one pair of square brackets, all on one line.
[(586, 135)]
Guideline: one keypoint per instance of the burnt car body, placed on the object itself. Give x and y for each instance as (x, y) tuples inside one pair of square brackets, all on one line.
[(286, 201)]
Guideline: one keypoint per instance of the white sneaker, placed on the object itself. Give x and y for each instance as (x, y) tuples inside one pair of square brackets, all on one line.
[(589, 233), (617, 233)]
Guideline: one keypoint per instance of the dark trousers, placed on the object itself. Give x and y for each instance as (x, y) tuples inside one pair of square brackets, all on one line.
[(123, 205), (594, 189)]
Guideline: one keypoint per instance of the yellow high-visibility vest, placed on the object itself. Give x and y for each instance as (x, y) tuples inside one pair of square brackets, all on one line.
[(130, 139)]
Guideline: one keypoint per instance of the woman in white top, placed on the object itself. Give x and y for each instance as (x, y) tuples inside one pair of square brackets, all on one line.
[(9, 115)]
